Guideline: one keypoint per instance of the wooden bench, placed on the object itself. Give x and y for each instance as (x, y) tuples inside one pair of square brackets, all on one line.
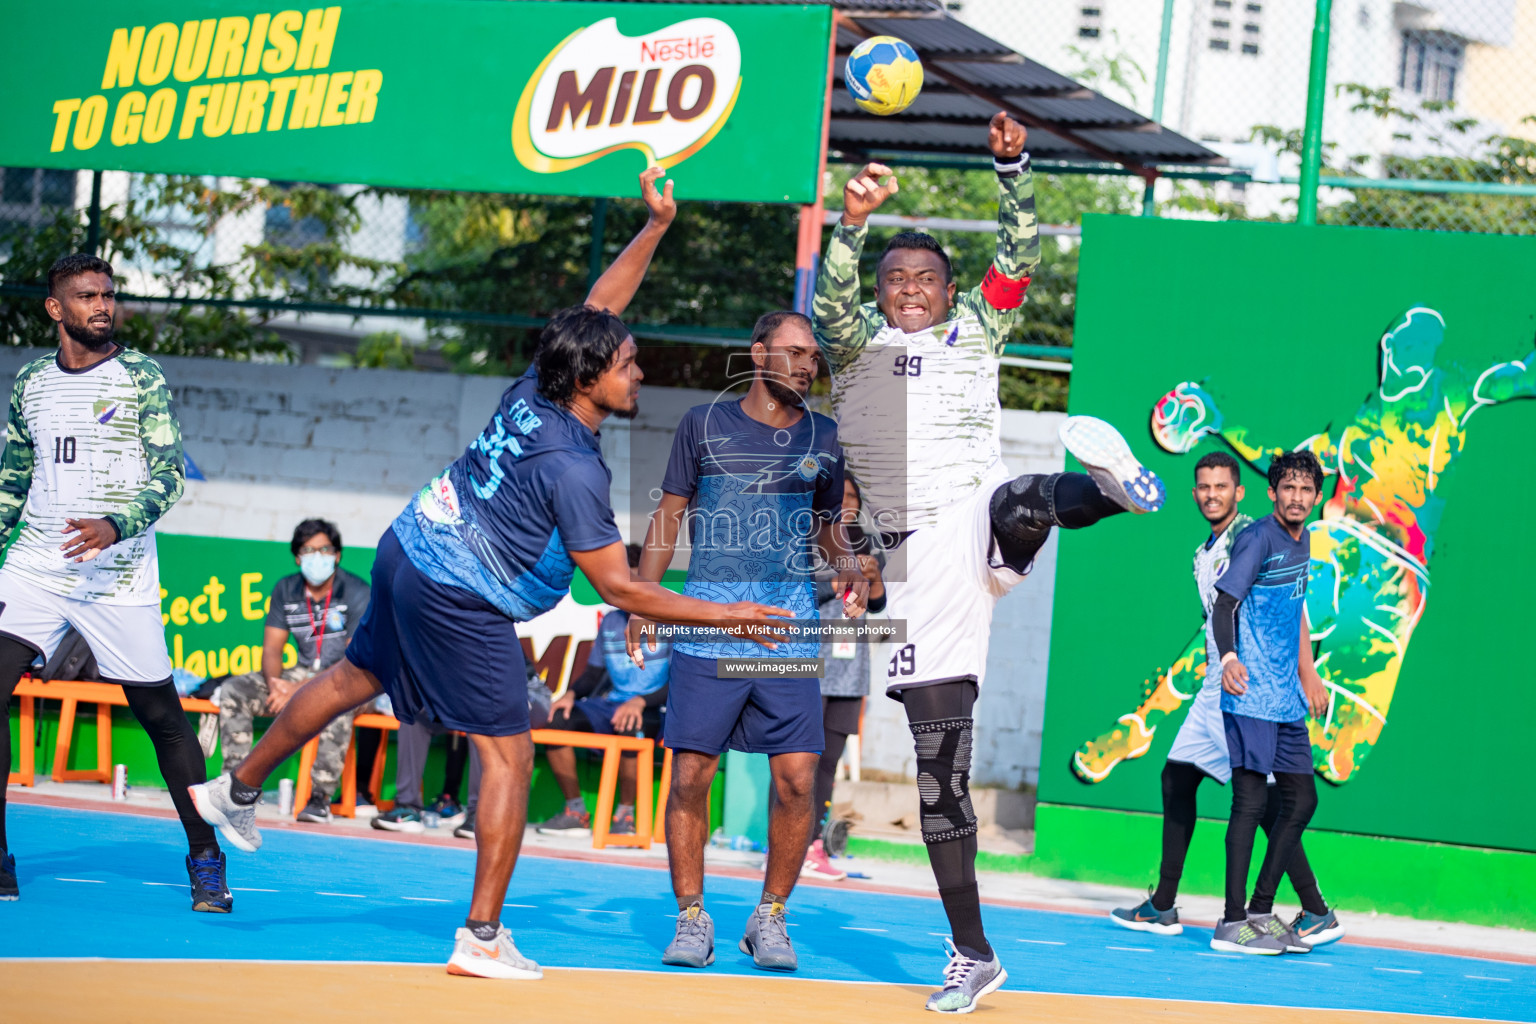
[(649, 825), (70, 696)]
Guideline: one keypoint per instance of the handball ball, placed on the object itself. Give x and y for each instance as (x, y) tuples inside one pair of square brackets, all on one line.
[(884, 75)]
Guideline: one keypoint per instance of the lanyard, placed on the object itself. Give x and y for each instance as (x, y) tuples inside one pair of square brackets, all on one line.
[(318, 633)]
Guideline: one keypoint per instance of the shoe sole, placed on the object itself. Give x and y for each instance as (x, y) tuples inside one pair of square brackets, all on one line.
[(1321, 938), (311, 820), (680, 962), (10, 897), (411, 826), (570, 833), (215, 817), (990, 987), (1236, 947), (209, 908), (746, 947), (1151, 927), (462, 966), (1112, 464), (463, 835), (838, 877)]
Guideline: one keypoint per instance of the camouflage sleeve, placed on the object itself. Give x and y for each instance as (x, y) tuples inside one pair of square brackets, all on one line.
[(16, 464), (996, 300), (161, 435), (842, 325)]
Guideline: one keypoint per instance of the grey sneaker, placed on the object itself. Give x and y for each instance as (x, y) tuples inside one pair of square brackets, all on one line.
[(1312, 929), (236, 822), (766, 940), (1244, 937), (496, 959), (566, 823), (1147, 918), (1271, 924), (317, 811), (966, 981), (1114, 467), (694, 943)]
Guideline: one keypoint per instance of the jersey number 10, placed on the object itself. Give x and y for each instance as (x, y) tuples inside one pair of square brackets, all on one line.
[(63, 449)]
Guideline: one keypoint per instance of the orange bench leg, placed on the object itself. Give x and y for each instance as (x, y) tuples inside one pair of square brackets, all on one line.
[(659, 833), (346, 804), (27, 776), (301, 788), (66, 737), (376, 782), (104, 743), (607, 786), (644, 823)]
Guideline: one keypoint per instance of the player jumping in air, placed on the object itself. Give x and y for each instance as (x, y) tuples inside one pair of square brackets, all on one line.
[(492, 541), (92, 460), (914, 387), (1200, 748)]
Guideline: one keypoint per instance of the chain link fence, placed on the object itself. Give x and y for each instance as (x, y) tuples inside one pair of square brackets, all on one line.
[(1417, 94)]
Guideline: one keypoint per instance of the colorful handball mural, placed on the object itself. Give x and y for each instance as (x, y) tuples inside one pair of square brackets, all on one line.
[(1392, 464)]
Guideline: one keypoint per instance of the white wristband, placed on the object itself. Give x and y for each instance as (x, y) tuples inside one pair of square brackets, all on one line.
[(1009, 168)]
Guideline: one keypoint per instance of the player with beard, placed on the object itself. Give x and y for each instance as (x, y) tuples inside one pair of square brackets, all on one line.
[(1200, 748), (92, 460), (760, 481), (492, 541), (914, 387)]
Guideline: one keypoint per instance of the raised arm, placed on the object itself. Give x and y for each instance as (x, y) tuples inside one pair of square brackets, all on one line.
[(1504, 382), (614, 290), (15, 465), (1001, 291), (1192, 411), (842, 325), (161, 436)]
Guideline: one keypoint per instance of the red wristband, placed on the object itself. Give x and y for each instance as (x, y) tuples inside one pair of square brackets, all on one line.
[(1003, 292)]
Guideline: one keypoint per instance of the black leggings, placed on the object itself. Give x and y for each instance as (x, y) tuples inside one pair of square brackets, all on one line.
[(1181, 781), (840, 719), (953, 861), (1025, 508), (158, 709), (1297, 794)]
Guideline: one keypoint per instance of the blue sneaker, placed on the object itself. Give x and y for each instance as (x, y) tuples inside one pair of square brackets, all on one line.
[(1317, 929), (1147, 918), (8, 887), (210, 895)]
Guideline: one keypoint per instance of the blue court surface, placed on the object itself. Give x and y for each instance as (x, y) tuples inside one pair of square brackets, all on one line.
[(98, 884)]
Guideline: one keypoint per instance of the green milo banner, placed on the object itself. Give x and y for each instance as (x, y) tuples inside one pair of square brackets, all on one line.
[(1404, 360), (214, 596), (546, 98)]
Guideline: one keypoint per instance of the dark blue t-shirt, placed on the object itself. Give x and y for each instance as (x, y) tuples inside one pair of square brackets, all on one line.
[(757, 496), (1268, 574), (502, 519)]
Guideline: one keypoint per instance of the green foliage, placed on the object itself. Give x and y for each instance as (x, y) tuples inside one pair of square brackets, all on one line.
[(384, 350)]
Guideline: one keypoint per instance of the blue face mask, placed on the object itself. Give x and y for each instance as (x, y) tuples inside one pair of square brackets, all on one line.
[(317, 568)]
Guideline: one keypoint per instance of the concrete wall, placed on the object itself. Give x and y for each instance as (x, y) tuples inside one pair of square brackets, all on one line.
[(280, 443)]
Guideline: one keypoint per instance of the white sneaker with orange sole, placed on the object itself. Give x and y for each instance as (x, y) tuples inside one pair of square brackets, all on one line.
[(497, 958)]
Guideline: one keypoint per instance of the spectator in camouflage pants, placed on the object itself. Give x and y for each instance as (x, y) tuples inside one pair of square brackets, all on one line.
[(315, 610)]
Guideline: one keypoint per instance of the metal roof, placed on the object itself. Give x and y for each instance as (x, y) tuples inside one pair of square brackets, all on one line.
[(968, 77)]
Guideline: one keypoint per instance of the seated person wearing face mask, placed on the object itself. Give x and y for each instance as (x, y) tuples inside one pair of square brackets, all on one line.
[(316, 609)]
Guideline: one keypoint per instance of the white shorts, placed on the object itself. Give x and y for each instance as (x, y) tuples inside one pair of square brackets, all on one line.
[(128, 640), (945, 581), (1202, 739)]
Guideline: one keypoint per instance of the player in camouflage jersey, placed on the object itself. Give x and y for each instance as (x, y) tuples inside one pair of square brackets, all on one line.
[(914, 388), (92, 460)]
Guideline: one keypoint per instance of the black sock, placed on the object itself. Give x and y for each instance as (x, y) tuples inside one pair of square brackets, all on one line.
[(240, 793), (485, 931), (962, 904)]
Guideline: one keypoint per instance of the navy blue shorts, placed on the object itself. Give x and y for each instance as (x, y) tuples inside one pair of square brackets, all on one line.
[(1266, 747), (759, 716), (445, 656)]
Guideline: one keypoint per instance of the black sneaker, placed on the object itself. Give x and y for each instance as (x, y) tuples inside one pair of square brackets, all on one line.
[(447, 808), (8, 888), (210, 894), (466, 829), (318, 811), (403, 818)]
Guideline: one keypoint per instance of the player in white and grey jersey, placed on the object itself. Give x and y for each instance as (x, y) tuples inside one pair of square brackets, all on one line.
[(914, 388), (1200, 748), (92, 459)]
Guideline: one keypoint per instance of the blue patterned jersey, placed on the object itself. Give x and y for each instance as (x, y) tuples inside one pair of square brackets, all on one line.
[(1268, 574), (502, 519), (757, 496)]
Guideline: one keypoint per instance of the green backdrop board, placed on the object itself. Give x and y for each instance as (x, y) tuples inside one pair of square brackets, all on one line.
[(1285, 324), (545, 98)]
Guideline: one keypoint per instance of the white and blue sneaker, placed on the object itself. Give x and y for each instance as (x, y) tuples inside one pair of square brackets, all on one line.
[(966, 981), (1112, 465), (1147, 918)]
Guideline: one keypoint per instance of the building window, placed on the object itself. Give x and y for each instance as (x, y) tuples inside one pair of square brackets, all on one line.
[(1090, 22), (1430, 64), (32, 196)]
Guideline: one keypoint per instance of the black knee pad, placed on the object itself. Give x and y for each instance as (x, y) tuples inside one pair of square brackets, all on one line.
[(943, 778)]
